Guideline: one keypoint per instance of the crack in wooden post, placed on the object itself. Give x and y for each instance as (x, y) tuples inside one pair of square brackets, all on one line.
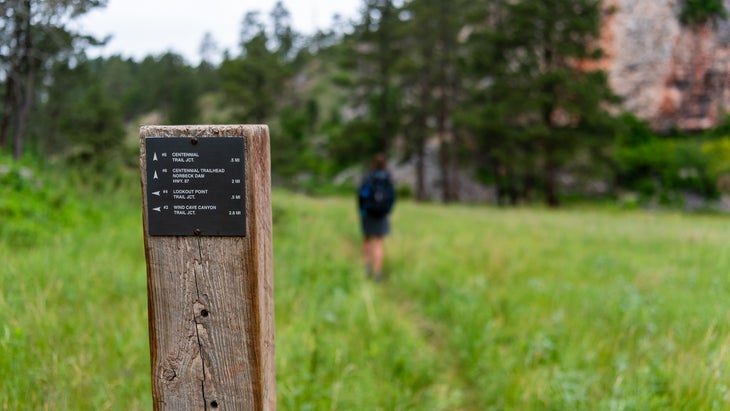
[(197, 332)]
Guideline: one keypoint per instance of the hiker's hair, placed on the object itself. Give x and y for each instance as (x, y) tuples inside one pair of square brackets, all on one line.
[(380, 162)]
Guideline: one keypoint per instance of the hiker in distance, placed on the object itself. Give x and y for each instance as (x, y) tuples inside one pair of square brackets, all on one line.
[(376, 197)]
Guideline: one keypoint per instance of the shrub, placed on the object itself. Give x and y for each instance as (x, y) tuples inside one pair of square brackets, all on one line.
[(700, 11), (31, 205), (718, 154), (665, 167)]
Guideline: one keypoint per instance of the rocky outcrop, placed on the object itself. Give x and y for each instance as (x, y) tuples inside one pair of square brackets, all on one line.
[(672, 75)]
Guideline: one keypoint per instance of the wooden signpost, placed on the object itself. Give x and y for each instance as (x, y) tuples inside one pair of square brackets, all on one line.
[(208, 243)]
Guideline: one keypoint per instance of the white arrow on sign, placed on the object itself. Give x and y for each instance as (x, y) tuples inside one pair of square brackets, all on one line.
[(158, 209), (155, 177), (154, 158), (157, 193)]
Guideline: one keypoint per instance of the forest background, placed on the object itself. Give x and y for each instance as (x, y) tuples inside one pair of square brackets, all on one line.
[(494, 90), (523, 308)]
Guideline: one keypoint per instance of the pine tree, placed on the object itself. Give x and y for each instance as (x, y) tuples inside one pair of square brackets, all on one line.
[(34, 35), (432, 85), (374, 52), (542, 102), (253, 81)]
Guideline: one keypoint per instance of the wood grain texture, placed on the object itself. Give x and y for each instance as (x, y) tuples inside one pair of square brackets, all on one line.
[(211, 299)]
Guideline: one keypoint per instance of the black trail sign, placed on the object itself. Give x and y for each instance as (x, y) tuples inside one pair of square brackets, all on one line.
[(195, 186)]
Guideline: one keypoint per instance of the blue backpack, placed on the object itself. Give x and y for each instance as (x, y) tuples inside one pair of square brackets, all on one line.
[(377, 194)]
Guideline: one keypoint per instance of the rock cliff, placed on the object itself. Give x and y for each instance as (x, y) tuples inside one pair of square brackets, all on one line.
[(672, 75)]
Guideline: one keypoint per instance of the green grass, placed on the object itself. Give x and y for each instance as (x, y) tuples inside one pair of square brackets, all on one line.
[(73, 334), (574, 310), (520, 309)]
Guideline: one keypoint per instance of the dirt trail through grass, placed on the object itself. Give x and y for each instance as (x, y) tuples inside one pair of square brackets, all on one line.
[(434, 334), (450, 383)]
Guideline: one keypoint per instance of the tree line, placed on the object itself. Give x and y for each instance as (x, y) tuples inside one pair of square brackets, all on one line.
[(506, 90)]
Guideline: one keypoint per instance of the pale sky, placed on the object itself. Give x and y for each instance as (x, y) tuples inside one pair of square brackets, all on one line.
[(143, 27)]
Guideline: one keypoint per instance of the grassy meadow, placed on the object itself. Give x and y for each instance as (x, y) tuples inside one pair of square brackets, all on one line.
[(483, 308)]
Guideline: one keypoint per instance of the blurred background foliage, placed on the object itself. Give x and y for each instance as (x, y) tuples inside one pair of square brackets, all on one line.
[(492, 88)]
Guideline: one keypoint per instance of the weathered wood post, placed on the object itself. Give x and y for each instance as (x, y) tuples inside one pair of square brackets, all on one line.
[(208, 241)]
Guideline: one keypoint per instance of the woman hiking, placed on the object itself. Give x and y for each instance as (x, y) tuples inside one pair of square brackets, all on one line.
[(376, 197)]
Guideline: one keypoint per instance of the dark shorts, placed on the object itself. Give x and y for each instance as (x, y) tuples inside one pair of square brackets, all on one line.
[(375, 226)]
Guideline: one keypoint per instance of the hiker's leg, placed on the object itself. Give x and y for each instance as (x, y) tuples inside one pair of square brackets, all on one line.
[(377, 255), (367, 254)]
